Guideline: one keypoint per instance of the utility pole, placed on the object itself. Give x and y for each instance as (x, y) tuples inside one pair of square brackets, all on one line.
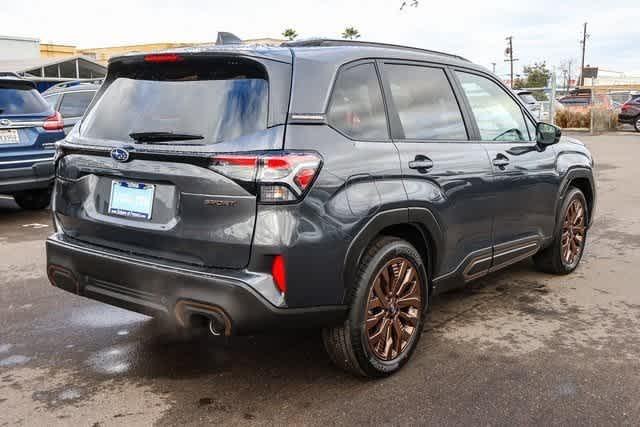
[(584, 46), (511, 60), (494, 67)]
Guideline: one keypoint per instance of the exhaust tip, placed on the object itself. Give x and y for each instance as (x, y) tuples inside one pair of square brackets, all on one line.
[(214, 317)]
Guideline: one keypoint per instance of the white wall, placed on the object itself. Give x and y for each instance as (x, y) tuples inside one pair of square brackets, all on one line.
[(19, 48)]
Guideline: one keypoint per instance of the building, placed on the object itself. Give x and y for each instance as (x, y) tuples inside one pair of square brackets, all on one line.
[(19, 48)]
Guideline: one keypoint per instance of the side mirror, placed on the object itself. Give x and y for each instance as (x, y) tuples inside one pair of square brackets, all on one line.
[(547, 134)]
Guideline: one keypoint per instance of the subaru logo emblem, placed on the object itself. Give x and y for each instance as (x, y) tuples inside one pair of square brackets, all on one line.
[(5, 122), (120, 154)]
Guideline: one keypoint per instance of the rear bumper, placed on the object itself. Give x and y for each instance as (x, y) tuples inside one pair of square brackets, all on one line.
[(624, 118), (39, 175), (148, 287)]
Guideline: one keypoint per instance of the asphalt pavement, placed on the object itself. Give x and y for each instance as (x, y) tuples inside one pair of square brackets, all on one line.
[(515, 348)]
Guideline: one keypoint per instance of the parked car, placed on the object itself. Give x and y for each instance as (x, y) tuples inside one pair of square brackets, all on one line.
[(530, 102), (630, 112), (28, 130), (323, 183), (71, 100), (583, 101)]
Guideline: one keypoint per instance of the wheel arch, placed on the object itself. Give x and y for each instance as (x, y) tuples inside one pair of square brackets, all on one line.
[(417, 226), (582, 179)]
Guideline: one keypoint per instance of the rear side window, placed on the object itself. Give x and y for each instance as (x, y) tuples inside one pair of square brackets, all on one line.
[(498, 116), (52, 100), (18, 99), (425, 103), (74, 104), (214, 100), (356, 107)]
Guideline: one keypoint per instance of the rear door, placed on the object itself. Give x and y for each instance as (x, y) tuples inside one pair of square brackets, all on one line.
[(525, 179), (443, 171), (140, 173)]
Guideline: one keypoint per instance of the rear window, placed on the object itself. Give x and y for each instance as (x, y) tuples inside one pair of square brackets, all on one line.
[(18, 99), (74, 104), (215, 99)]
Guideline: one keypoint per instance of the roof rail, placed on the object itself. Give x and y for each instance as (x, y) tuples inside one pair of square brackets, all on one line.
[(72, 83), (337, 42)]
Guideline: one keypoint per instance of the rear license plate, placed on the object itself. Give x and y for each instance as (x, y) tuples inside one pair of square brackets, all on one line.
[(131, 199), (9, 136)]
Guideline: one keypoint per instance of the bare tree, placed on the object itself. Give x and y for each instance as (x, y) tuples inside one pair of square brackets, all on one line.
[(411, 3)]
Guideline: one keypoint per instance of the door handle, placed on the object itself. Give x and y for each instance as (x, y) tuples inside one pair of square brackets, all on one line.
[(501, 161), (422, 163)]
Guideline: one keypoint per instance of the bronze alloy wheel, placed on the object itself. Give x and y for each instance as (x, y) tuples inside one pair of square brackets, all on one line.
[(393, 309), (573, 232)]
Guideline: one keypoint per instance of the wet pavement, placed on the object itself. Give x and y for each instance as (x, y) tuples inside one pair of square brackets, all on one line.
[(517, 347)]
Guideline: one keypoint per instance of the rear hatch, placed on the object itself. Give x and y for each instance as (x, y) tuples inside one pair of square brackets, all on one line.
[(136, 174), (24, 115)]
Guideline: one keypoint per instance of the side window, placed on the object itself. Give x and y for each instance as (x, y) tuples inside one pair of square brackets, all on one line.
[(52, 100), (498, 116), (425, 103), (74, 104), (356, 106)]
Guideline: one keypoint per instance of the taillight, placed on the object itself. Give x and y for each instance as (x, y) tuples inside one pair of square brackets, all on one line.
[(281, 178), (162, 58), (279, 273), (624, 107), (53, 122)]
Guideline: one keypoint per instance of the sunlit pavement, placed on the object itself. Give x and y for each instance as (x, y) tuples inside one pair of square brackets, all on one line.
[(517, 347)]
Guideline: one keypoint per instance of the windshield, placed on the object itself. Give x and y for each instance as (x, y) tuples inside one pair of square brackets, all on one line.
[(21, 100), (213, 110)]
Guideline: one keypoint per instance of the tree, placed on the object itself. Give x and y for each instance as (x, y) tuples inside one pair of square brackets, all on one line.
[(289, 34), (350, 33), (538, 75), (412, 3)]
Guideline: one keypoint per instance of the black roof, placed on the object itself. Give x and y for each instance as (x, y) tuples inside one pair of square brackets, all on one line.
[(340, 50)]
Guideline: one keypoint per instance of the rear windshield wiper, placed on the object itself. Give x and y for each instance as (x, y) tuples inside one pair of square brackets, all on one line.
[(163, 136)]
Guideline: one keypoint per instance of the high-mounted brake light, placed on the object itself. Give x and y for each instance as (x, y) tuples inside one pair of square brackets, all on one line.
[(281, 178), (53, 122), (163, 58)]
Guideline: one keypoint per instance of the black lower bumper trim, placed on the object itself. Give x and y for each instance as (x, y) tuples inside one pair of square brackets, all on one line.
[(156, 290)]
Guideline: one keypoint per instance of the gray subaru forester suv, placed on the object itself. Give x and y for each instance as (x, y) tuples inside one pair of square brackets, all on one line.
[(324, 183)]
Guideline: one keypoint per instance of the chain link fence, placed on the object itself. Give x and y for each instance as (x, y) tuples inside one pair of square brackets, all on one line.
[(594, 107)]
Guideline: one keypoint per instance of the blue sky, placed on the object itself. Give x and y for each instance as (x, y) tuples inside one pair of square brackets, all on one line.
[(542, 30)]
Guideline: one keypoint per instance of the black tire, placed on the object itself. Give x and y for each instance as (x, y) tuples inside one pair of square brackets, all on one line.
[(33, 199), (551, 259), (636, 124), (349, 345)]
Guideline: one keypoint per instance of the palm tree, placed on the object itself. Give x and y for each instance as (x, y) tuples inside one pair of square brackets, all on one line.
[(289, 34), (350, 33)]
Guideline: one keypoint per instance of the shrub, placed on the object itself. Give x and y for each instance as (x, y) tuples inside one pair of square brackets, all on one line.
[(603, 119)]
